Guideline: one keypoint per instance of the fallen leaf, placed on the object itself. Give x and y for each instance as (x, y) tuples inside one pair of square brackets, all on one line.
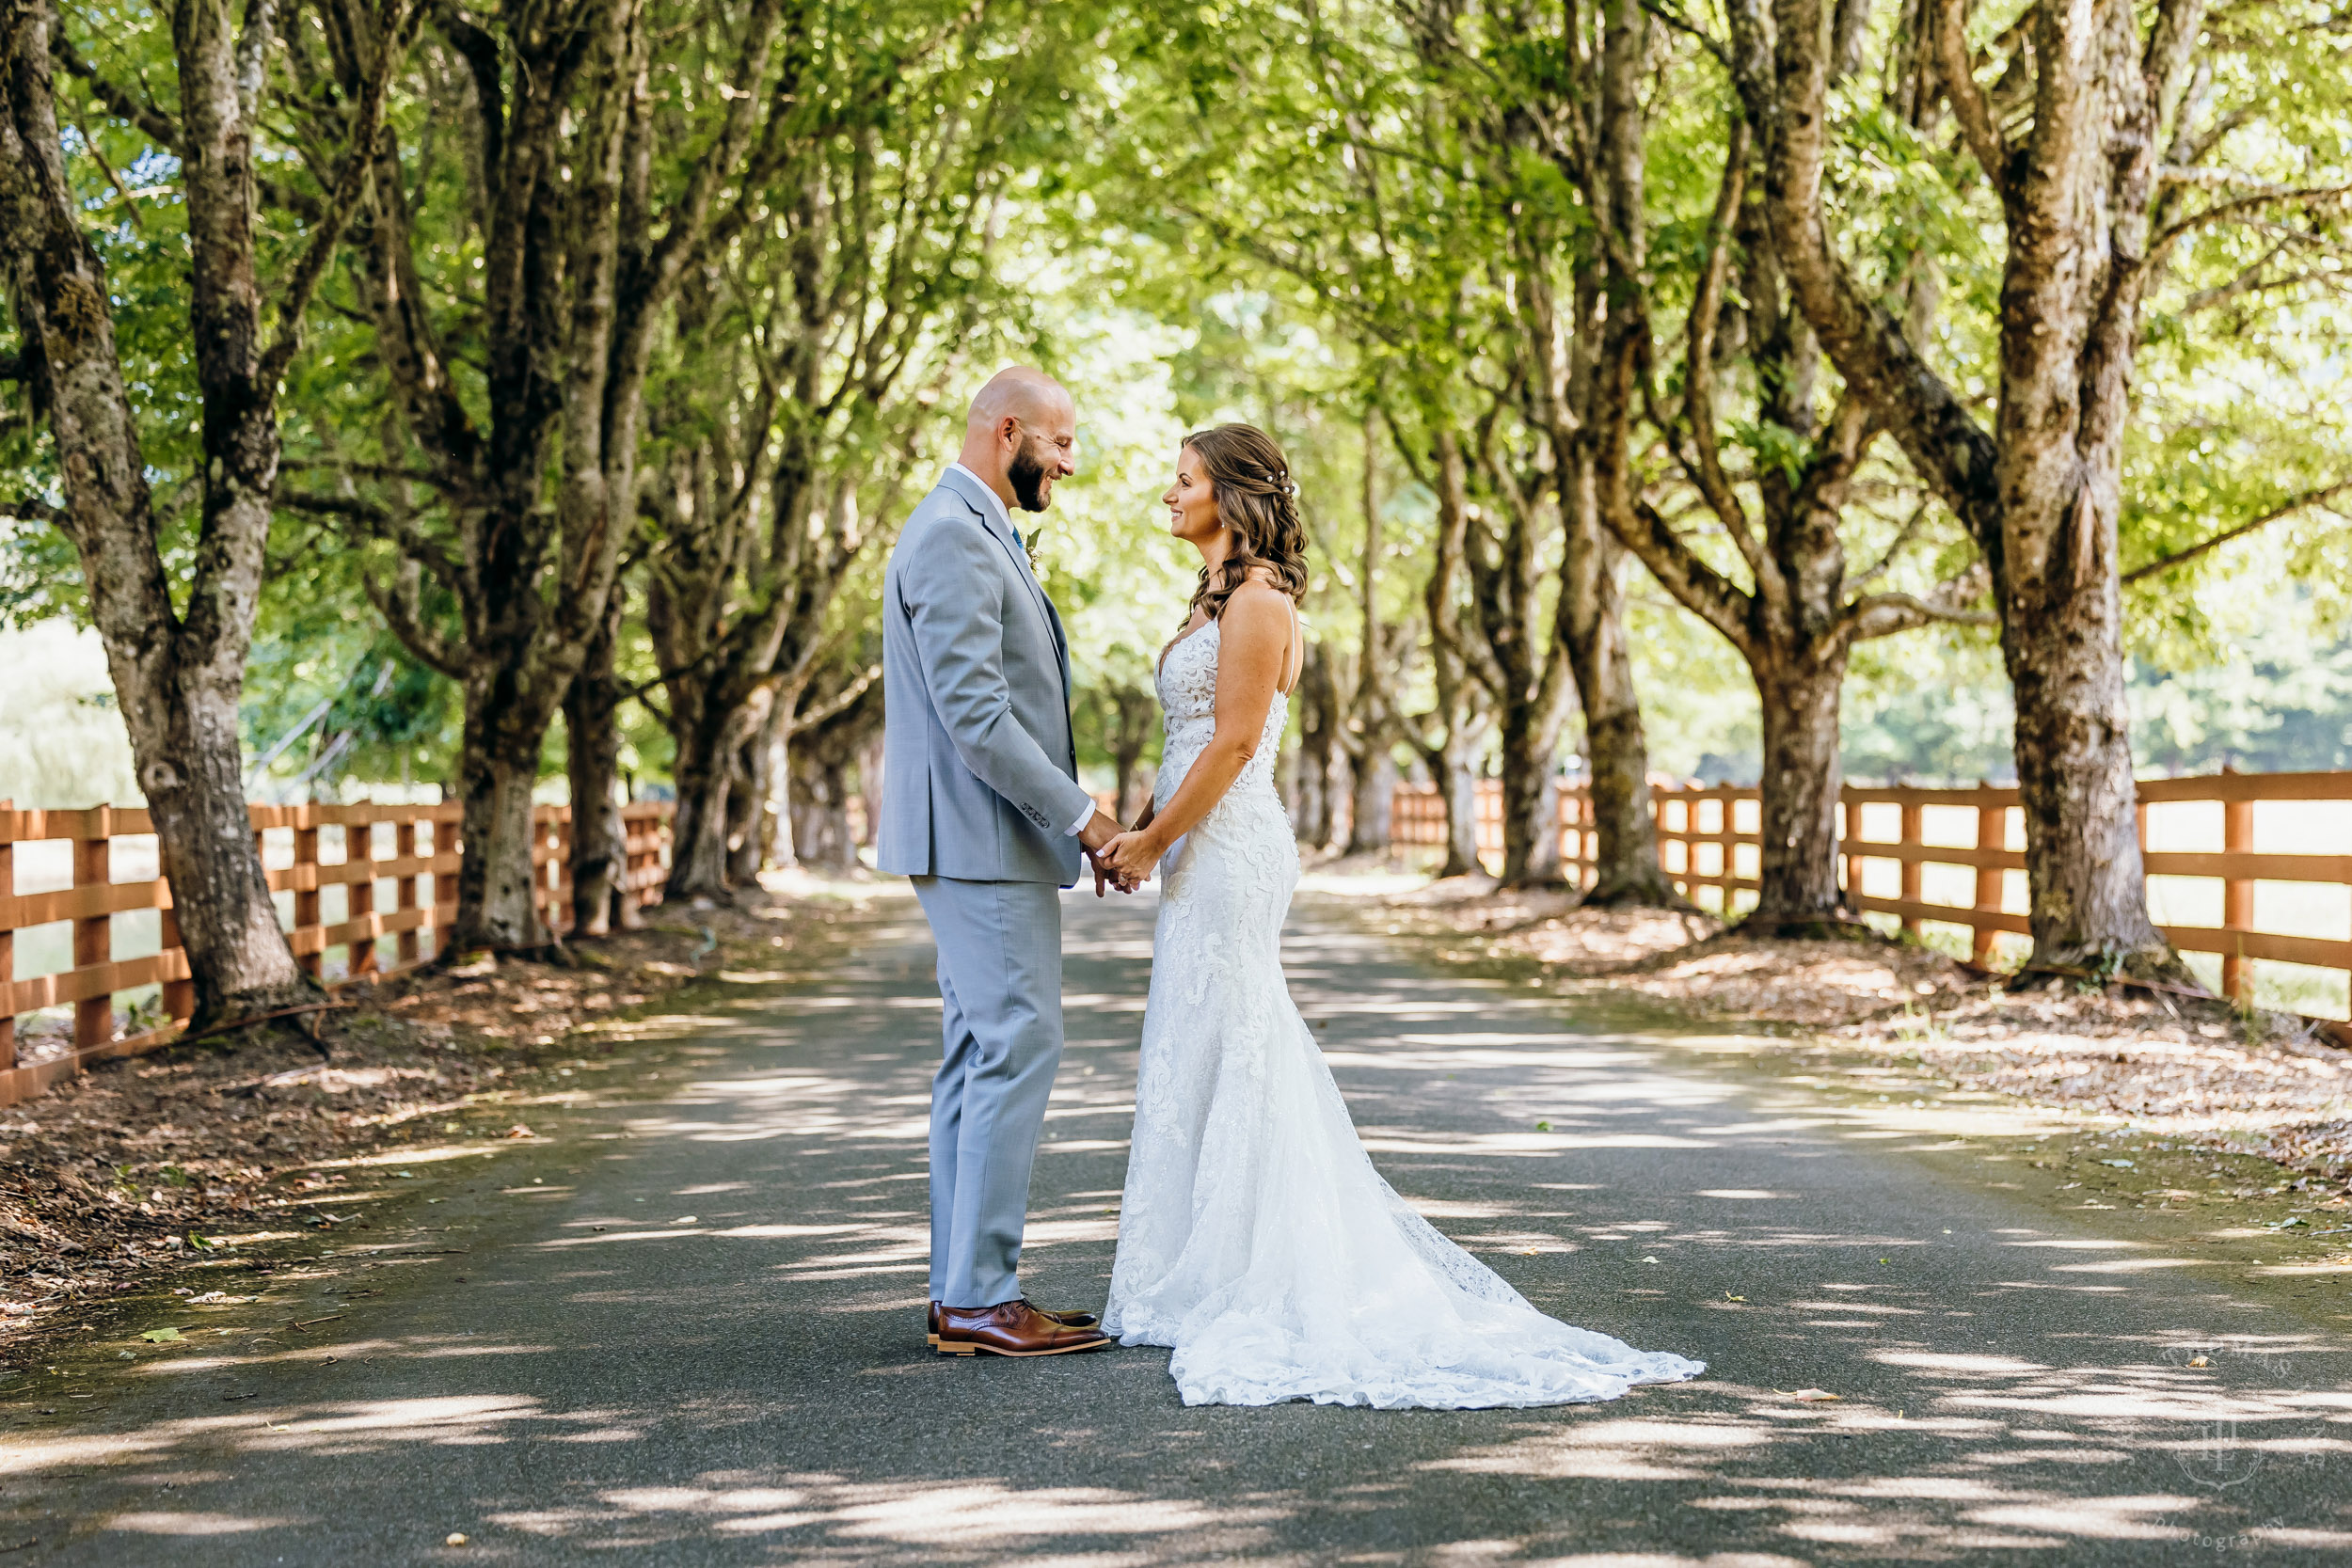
[(455, 1537), (2200, 1361), (1728, 1296), (2119, 1164), (1813, 1396), (1543, 1127), (160, 1336), (1649, 1259), (519, 1131), (683, 1219)]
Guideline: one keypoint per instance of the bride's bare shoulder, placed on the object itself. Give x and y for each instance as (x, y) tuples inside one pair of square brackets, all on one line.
[(1256, 605)]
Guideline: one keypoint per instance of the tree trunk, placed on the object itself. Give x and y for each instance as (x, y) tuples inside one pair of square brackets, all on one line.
[(1799, 895), (1592, 622), (1134, 711), (2061, 639), (1531, 796), (743, 813), (702, 771), (189, 763), (820, 812), (177, 676), (1374, 793), (497, 768), (1454, 769), (750, 803), (869, 788), (1459, 791), (2042, 492), (1310, 812), (600, 858)]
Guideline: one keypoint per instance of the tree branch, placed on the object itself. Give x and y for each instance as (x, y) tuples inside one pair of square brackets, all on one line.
[(1950, 29), (1705, 463), (1885, 614), (2225, 211), (840, 701), (2285, 509), (1696, 586), (148, 118), (379, 522), (351, 182)]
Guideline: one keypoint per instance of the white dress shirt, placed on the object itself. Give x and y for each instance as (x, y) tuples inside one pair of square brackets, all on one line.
[(1005, 516)]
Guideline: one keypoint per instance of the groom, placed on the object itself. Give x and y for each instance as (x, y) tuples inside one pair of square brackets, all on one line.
[(981, 806)]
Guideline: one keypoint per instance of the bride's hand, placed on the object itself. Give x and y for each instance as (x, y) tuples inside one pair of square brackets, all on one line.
[(1130, 857)]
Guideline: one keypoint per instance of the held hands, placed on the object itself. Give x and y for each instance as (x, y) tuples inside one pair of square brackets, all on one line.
[(1129, 857), (1098, 834)]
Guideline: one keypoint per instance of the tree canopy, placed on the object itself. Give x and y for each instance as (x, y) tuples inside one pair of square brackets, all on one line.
[(1764, 389)]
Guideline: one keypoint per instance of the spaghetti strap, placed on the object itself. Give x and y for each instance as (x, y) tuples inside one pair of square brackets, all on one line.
[(1297, 649)]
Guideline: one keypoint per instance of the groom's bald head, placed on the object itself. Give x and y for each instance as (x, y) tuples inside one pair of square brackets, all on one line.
[(1021, 436), (1016, 392)]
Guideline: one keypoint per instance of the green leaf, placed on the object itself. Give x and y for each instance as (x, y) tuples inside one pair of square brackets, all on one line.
[(160, 1336)]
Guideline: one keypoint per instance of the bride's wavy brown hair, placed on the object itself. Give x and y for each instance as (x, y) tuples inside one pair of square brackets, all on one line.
[(1256, 500)]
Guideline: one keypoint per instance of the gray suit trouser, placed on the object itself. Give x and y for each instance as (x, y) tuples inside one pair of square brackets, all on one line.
[(1000, 985)]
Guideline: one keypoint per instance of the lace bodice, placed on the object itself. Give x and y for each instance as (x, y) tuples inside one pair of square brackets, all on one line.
[(1187, 689), (1256, 1237)]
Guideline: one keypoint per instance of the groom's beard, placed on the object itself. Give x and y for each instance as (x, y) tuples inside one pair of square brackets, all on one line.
[(1028, 476)]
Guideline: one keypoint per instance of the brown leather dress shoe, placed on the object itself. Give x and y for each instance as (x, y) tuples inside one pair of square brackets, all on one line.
[(1011, 1328), (1067, 1320)]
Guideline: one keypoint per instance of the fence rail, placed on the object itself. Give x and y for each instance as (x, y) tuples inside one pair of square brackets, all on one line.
[(396, 868), (1974, 852)]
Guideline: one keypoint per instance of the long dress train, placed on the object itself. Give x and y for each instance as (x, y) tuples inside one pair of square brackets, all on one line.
[(1256, 1238)]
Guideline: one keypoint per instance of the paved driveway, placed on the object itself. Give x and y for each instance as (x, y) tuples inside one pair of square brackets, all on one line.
[(688, 1330)]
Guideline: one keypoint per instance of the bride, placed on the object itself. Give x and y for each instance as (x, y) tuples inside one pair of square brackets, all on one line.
[(1256, 1238)]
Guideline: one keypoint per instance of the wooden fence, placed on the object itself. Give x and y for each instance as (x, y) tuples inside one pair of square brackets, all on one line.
[(392, 869), (1956, 858)]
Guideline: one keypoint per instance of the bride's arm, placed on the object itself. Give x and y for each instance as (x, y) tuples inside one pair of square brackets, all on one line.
[(1253, 643)]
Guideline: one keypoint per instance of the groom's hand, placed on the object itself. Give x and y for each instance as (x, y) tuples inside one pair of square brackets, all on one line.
[(1099, 830)]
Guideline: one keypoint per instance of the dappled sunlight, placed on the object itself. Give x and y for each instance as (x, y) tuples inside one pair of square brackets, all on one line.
[(690, 1330), (154, 1522)]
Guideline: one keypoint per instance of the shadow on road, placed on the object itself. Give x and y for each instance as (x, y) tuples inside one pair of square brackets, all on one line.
[(695, 1337)]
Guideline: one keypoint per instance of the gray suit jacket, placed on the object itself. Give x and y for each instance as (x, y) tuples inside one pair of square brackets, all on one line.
[(980, 769)]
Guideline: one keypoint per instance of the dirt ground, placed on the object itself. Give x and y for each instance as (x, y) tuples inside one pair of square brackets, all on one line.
[(141, 1165), (2255, 1083)]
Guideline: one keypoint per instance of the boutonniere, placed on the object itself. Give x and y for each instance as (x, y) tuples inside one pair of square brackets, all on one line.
[(1029, 545)]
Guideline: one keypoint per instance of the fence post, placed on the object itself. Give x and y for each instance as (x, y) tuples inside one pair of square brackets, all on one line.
[(1914, 882), (179, 995), (361, 894), (446, 834), (404, 889), (2237, 895), (1992, 833), (8, 936), (1587, 852), (305, 870), (93, 935), (1848, 881)]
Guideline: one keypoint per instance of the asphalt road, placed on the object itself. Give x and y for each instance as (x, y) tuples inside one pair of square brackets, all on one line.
[(688, 1329)]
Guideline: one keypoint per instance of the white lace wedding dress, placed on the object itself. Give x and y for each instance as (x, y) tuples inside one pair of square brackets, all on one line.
[(1256, 1238)]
